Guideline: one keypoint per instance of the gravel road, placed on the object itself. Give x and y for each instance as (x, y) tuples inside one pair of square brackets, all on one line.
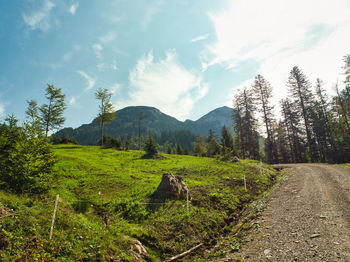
[(307, 219)]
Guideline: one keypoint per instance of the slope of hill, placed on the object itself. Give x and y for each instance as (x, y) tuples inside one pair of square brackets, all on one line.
[(127, 123), (106, 204)]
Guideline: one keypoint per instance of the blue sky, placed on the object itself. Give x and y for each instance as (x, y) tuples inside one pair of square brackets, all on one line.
[(185, 57)]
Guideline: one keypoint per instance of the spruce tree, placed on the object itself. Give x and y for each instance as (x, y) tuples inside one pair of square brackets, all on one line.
[(246, 124), (151, 146), (263, 93), (300, 90), (291, 122)]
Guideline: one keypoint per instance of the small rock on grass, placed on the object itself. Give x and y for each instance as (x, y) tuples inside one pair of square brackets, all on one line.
[(315, 235), (267, 252)]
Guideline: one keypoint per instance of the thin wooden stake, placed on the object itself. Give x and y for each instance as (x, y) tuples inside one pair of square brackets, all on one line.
[(187, 202), (54, 215), (245, 183)]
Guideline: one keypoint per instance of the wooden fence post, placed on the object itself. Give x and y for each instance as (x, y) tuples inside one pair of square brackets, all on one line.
[(54, 215), (187, 202), (245, 183)]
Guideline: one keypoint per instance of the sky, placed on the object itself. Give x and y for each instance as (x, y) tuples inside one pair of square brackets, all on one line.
[(184, 57)]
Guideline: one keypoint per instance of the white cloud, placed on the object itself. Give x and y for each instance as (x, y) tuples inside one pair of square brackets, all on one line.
[(259, 29), (67, 56), (108, 37), (115, 87), (2, 109), (73, 100), (199, 38), (77, 47), (90, 81), (97, 49), (73, 8), (105, 66), (149, 13), (312, 35), (39, 19), (165, 84)]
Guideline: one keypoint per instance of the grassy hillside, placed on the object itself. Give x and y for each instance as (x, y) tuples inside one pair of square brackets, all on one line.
[(105, 203)]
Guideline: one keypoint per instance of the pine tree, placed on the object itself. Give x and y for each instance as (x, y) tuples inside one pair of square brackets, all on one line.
[(179, 150), (151, 146), (226, 141), (237, 114), (106, 109), (32, 112), (200, 146), (291, 122), (321, 124), (282, 144), (300, 89), (51, 114), (213, 147), (246, 125), (263, 93)]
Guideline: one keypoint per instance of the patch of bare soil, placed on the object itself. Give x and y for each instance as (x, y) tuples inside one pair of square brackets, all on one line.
[(307, 219)]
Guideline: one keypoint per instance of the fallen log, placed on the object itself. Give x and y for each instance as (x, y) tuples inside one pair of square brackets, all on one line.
[(185, 253)]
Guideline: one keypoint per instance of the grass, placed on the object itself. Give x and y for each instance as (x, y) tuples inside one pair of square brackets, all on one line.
[(105, 204)]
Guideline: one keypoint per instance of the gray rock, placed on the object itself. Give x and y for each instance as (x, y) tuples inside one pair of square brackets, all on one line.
[(235, 159), (172, 187)]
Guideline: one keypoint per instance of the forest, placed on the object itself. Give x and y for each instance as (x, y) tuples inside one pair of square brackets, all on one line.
[(313, 126)]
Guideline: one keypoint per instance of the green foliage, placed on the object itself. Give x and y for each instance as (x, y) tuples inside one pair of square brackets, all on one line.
[(117, 188), (200, 146), (81, 206), (179, 149), (226, 140), (150, 146), (133, 211), (106, 109), (63, 140), (51, 114), (27, 159)]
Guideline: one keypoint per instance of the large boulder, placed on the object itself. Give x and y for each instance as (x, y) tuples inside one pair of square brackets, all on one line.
[(172, 187)]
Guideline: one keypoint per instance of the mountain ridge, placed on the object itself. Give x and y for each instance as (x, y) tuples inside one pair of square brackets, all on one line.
[(155, 122)]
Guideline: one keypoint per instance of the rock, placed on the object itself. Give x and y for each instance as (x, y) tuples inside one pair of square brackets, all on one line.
[(315, 235), (139, 253), (235, 159), (267, 252), (6, 212), (172, 187)]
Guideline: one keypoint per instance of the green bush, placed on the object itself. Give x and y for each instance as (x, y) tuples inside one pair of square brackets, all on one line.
[(151, 146), (133, 211), (81, 206), (26, 158)]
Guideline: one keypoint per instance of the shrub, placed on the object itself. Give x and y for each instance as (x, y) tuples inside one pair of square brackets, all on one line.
[(64, 140), (151, 146), (26, 158)]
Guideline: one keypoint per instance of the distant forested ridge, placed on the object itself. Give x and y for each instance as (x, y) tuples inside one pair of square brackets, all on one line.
[(162, 126)]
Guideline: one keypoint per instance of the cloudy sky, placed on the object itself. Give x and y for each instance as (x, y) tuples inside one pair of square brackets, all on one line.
[(185, 57)]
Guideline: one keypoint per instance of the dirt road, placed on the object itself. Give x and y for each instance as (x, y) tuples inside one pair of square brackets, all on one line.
[(308, 218)]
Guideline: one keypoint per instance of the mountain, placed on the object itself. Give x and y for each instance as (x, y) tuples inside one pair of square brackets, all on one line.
[(214, 120), (155, 122)]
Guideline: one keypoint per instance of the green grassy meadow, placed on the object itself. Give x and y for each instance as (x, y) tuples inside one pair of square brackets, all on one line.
[(106, 203)]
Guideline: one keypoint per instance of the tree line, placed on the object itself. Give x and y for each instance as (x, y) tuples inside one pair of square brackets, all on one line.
[(313, 127)]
